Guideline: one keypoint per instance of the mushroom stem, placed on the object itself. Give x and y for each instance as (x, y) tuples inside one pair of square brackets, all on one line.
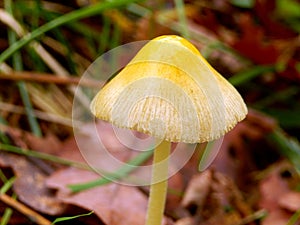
[(159, 184)]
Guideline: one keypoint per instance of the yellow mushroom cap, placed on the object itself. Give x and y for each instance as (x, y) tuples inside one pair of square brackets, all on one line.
[(169, 91)]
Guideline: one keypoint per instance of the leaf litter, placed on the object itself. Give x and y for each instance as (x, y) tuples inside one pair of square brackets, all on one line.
[(249, 182)]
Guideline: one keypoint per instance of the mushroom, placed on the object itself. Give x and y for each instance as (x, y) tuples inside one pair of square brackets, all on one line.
[(169, 91)]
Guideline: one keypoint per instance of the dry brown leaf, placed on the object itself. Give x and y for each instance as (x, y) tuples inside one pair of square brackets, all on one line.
[(252, 43), (235, 157), (70, 151), (48, 144), (185, 221), (290, 201), (276, 217), (271, 188), (30, 184), (89, 140), (175, 188), (277, 198), (114, 204), (207, 197), (198, 189)]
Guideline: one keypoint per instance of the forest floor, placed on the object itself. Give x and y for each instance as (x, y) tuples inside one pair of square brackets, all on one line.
[(45, 49)]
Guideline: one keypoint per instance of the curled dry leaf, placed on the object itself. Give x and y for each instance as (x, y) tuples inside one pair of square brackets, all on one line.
[(277, 197), (290, 201), (250, 44), (30, 184), (185, 221), (114, 204), (271, 188), (212, 198), (236, 158), (198, 189), (49, 144)]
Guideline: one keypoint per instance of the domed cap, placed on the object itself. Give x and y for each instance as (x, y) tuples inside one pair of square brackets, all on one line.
[(169, 91)]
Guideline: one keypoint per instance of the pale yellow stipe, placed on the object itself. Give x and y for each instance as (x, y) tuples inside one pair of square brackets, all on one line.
[(158, 189)]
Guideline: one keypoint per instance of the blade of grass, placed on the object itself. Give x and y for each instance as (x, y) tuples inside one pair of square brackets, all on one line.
[(61, 219), (2, 176), (139, 10), (246, 4), (287, 146), (279, 95), (51, 117), (114, 42), (18, 65), (61, 38), (91, 35), (66, 18), (3, 138), (104, 40), (7, 185), (48, 157), (8, 211), (120, 173), (36, 13), (245, 76), (179, 4), (6, 216), (294, 218), (116, 37), (287, 118)]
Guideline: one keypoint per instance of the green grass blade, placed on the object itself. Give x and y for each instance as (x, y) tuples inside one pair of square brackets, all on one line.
[(104, 40), (61, 219), (246, 4), (287, 118), (287, 146), (7, 185), (120, 173), (294, 218), (182, 18), (4, 138), (66, 18), (18, 65), (245, 76), (6, 216), (8, 211), (280, 95), (44, 156)]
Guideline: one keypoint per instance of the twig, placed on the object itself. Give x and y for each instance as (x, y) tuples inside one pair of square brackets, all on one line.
[(45, 156), (50, 117), (53, 64), (34, 216), (48, 78), (255, 216)]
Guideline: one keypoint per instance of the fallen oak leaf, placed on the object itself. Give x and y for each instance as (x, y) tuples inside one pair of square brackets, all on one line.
[(114, 204), (272, 190), (235, 157), (198, 189), (252, 44), (290, 201), (48, 144), (209, 194), (30, 186)]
